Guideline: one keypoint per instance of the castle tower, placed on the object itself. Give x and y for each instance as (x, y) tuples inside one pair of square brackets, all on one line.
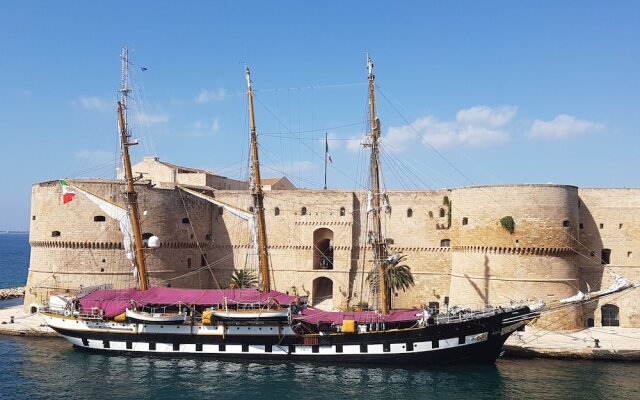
[(514, 242)]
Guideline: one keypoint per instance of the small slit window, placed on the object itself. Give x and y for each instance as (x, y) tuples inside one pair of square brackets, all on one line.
[(581, 226), (99, 218), (620, 226), (343, 211), (409, 213), (566, 223), (55, 234), (303, 211), (601, 226), (220, 210), (276, 211), (441, 212), (33, 217), (185, 220), (465, 221)]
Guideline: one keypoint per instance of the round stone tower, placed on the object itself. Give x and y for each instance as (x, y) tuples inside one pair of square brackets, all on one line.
[(515, 242), (78, 245)]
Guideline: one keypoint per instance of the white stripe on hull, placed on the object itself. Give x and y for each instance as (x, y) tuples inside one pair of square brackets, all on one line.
[(300, 350)]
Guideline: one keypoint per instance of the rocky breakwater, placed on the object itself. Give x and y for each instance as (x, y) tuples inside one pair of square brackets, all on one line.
[(11, 293)]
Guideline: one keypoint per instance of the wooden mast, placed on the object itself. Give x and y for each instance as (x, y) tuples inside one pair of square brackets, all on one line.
[(258, 196), (131, 195), (378, 243)]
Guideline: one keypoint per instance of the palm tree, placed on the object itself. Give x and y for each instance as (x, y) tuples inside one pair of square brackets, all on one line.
[(242, 278), (397, 276)]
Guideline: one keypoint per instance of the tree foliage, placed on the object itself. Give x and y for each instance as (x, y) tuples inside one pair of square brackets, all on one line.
[(397, 276), (242, 278), (508, 224)]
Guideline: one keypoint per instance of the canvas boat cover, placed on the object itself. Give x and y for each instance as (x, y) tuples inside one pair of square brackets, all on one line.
[(115, 302), (315, 316)]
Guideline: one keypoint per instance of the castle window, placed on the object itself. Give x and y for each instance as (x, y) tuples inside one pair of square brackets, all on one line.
[(303, 211), (441, 212), (220, 210), (566, 223), (55, 233), (276, 211), (465, 221), (146, 236), (601, 226), (629, 254), (189, 262), (207, 237), (606, 256), (99, 218), (250, 209), (610, 315), (203, 260), (342, 211), (409, 213), (620, 226), (590, 323), (185, 220), (581, 226), (445, 243), (33, 217)]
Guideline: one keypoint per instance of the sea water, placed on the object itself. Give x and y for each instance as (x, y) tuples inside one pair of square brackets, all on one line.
[(50, 368)]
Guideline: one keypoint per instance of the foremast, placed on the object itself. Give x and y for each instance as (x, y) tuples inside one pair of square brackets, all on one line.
[(131, 197), (258, 195), (377, 240)]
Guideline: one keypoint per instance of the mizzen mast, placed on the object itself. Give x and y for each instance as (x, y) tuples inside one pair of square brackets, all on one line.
[(130, 194), (377, 241), (258, 196)]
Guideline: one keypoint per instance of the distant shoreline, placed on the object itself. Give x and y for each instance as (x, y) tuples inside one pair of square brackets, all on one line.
[(14, 232)]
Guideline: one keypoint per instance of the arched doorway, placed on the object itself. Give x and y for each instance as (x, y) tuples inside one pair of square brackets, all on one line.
[(323, 249), (322, 293)]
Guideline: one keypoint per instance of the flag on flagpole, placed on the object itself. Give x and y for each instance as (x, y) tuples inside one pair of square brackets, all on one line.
[(67, 192), (326, 150)]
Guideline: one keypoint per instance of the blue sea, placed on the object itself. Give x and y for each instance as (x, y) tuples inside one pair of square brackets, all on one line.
[(50, 368)]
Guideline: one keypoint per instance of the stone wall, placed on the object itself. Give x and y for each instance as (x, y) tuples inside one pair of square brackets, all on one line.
[(452, 239)]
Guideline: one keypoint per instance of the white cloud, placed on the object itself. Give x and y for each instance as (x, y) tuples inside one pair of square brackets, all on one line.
[(96, 104), (475, 126), (199, 128), (99, 156), (354, 143), (563, 126), (208, 96), (145, 119), (487, 117)]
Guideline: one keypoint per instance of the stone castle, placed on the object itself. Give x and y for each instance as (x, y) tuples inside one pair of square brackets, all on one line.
[(467, 246)]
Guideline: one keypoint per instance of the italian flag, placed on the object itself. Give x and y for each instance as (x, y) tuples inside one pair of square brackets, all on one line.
[(67, 192)]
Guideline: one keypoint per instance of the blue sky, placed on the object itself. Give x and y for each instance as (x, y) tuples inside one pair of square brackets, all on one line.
[(469, 92)]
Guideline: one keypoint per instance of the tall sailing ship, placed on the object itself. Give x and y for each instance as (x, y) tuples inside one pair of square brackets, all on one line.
[(266, 324)]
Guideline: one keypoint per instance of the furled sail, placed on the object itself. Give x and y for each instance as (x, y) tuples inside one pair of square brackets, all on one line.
[(619, 283), (238, 212), (119, 214)]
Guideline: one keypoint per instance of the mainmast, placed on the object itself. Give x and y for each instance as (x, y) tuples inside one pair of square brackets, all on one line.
[(377, 241), (258, 196), (131, 195)]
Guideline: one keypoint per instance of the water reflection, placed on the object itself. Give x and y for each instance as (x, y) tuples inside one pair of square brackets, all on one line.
[(51, 369)]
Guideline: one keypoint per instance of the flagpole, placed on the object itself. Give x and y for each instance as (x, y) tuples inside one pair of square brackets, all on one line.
[(326, 155)]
